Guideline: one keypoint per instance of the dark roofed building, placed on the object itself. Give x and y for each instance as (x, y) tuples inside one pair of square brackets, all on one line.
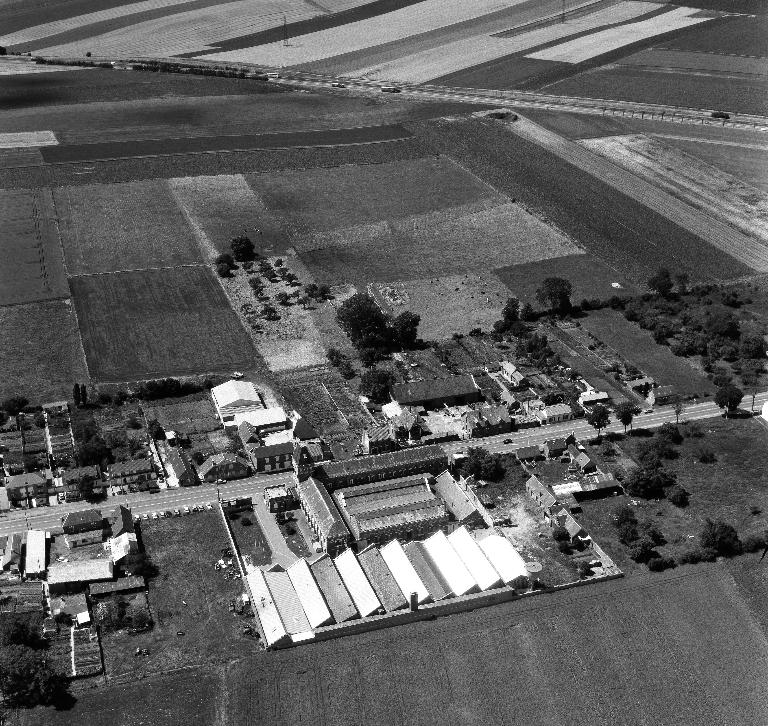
[(438, 392), (323, 516), (597, 486), (438, 588), (364, 469), (334, 590), (528, 453), (179, 463), (248, 433), (224, 466), (486, 421), (396, 509), (132, 583), (84, 520), (121, 521), (306, 456), (303, 431), (135, 474), (663, 394), (458, 499), (555, 447), (77, 481), (582, 460), (378, 440), (381, 578), (540, 493), (270, 459)]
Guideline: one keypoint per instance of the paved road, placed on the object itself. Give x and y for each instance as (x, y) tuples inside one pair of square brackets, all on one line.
[(50, 517), (141, 502)]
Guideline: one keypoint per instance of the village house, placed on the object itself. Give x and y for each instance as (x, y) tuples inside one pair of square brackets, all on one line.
[(278, 498), (134, 475), (224, 466), (563, 518), (29, 489), (485, 421), (541, 494), (271, 459), (407, 426), (306, 456), (512, 375), (431, 394), (553, 448), (554, 414), (11, 559), (662, 395), (323, 516), (528, 454), (597, 486), (590, 397), (248, 434), (81, 482), (461, 501), (180, 467), (378, 439), (83, 527), (581, 460)]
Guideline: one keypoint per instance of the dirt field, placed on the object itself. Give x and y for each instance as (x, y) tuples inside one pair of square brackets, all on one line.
[(43, 353), (609, 650), (187, 595), (637, 346), (447, 305), (32, 266), (108, 228), (154, 323)]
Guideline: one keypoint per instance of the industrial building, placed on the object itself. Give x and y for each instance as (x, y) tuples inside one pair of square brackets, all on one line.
[(439, 392), (434, 582), (443, 557), (235, 398), (34, 560), (482, 571), (309, 594), (288, 604), (333, 589), (505, 559), (403, 571), (381, 579), (396, 509), (323, 516), (272, 627), (357, 584)]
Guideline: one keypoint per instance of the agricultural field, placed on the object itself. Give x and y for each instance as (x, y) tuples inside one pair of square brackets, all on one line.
[(615, 227), (677, 648), (162, 700), (637, 346), (447, 305), (43, 352), (735, 35), (32, 266), (733, 488), (156, 323), (188, 595), (110, 228)]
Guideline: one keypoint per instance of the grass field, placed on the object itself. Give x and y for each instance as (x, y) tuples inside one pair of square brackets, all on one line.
[(187, 595), (637, 346), (43, 354), (155, 323), (665, 650), (321, 200), (447, 305), (735, 35), (729, 489), (686, 60), (108, 228), (590, 278), (620, 231), (32, 266)]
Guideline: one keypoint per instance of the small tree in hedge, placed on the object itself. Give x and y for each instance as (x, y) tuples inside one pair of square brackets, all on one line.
[(678, 495), (721, 537), (242, 248), (560, 534)]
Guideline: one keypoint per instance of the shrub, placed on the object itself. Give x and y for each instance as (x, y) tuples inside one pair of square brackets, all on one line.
[(564, 547), (721, 537), (706, 456), (678, 495), (584, 569), (642, 550), (697, 554), (521, 582), (628, 533), (246, 522), (623, 515), (560, 534), (653, 533), (755, 542), (659, 564)]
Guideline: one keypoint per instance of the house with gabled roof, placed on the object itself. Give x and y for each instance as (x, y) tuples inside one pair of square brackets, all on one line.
[(438, 392), (271, 459), (378, 439), (83, 527), (541, 494), (459, 499), (323, 516), (223, 466), (180, 466), (234, 398)]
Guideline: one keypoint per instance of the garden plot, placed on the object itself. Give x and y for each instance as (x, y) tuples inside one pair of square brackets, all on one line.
[(113, 227), (447, 305), (156, 323), (611, 39), (473, 237), (42, 353), (701, 185), (31, 265), (750, 251), (314, 201), (219, 208), (426, 65), (422, 17), (27, 139), (190, 31)]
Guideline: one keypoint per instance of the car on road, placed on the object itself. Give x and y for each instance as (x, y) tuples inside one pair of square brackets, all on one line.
[(209, 506), (145, 515), (154, 515), (176, 513), (186, 510), (508, 441), (338, 84), (390, 89), (167, 513)]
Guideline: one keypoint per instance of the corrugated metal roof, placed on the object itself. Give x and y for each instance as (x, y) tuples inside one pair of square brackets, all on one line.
[(456, 499), (309, 594), (382, 580), (334, 591), (365, 465), (472, 556), (271, 624), (288, 604), (449, 564), (430, 576), (403, 571), (504, 557), (79, 571), (363, 595), (34, 563), (318, 501)]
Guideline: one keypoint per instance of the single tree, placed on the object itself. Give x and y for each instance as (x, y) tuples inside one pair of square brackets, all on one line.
[(324, 292), (598, 418), (625, 413), (482, 464), (728, 397), (555, 292), (283, 298), (678, 408), (14, 405), (406, 329), (682, 279), (649, 481), (27, 677), (223, 269), (242, 248), (376, 384), (678, 495), (141, 619), (661, 282), (76, 395), (83, 395), (720, 536)]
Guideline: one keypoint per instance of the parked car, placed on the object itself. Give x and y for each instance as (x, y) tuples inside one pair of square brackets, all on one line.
[(337, 84), (154, 515), (390, 89), (145, 515), (176, 513), (509, 441), (186, 510), (209, 506), (167, 513)]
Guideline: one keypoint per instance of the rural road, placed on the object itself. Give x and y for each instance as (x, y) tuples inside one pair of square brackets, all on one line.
[(139, 503)]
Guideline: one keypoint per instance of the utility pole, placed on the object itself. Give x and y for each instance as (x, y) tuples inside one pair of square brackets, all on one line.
[(562, 15), (285, 31)]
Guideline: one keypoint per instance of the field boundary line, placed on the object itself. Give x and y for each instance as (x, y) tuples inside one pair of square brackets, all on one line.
[(140, 269)]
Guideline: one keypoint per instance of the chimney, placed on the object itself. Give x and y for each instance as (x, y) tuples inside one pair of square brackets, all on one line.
[(414, 602)]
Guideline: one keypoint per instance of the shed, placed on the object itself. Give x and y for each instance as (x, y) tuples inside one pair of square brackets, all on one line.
[(34, 562)]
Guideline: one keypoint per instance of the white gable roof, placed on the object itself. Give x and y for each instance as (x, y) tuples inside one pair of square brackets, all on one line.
[(236, 394), (504, 557), (403, 571), (309, 594), (472, 556), (363, 595), (449, 564)]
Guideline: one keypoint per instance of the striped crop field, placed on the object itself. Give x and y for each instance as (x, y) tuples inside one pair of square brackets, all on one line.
[(703, 186), (587, 47), (426, 65), (422, 17)]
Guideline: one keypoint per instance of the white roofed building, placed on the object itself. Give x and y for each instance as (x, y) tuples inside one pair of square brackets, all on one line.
[(450, 566), (236, 398), (403, 571), (264, 420), (272, 626), (360, 589), (34, 561), (472, 556), (288, 605), (506, 560), (309, 594)]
